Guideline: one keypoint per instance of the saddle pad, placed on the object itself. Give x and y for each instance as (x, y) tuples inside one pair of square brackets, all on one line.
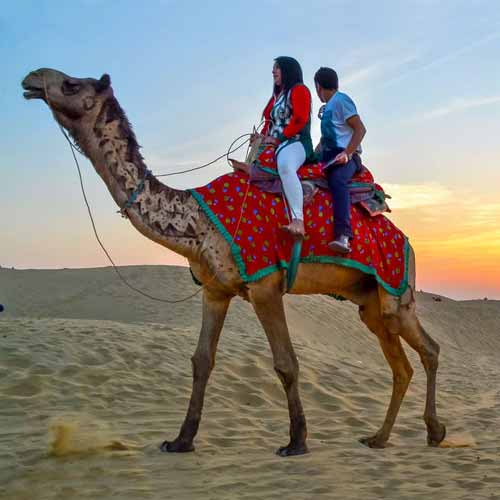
[(250, 220)]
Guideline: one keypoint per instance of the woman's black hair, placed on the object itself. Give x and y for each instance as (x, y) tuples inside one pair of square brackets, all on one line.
[(291, 74)]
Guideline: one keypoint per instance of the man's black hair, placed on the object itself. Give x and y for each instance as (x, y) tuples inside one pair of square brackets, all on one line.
[(291, 74), (327, 78)]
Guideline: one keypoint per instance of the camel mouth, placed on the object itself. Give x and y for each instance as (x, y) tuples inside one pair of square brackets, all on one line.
[(34, 94), (32, 90)]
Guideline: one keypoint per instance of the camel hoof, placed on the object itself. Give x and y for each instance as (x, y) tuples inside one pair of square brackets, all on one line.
[(176, 447), (432, 440), (372, 442), (290, 451)]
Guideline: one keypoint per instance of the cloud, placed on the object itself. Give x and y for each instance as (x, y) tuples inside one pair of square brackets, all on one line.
[(390, 62), (409, 196), (482, 215), (445, 58), (460, 104), (362, 74)]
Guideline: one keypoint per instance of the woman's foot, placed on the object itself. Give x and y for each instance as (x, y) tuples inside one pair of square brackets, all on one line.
[(295, 228), (240, 166)]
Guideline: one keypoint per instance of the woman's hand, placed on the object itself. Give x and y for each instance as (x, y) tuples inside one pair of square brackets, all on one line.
[(255, 136), (269, 140)]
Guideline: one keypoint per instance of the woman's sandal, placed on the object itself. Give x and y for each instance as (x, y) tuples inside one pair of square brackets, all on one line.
[(295, 228)]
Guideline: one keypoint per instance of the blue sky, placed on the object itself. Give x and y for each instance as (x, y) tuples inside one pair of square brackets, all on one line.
[(194, 75)]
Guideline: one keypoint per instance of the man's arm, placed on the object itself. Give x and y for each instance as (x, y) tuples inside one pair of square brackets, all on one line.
[(359, 132)]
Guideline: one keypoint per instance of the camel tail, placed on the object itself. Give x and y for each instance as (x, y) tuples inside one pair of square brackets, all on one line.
[(390, 304), (412, 271), (409, 295)]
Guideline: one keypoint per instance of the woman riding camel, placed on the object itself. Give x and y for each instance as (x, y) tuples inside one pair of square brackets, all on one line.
[(287, 126)]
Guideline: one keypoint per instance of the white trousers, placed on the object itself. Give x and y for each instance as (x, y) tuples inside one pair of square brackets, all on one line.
[(290, 158)]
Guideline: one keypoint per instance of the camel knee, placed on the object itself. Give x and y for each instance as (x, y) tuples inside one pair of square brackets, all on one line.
[(430, 355), (402, 371), (203, 365), (287, 371), (403, 377), (392, 323)]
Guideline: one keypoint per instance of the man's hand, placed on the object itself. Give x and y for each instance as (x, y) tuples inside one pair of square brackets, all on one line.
[(341, 159)]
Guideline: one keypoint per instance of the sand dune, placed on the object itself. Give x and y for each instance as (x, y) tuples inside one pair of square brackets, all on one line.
[(93, 377)]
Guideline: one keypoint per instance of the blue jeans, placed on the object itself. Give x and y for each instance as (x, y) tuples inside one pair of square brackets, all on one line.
[(338, 181)]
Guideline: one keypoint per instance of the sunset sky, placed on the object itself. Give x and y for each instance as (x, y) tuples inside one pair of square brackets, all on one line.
[(192, 76)]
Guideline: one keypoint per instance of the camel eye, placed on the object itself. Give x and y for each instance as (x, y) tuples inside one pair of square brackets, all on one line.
[(70, 88)]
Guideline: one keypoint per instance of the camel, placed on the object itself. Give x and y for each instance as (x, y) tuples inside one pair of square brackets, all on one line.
[(88, 110)]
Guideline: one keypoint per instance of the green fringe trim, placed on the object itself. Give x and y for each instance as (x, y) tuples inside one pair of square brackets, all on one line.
[(235, 249), (323, 259), (342, 261)]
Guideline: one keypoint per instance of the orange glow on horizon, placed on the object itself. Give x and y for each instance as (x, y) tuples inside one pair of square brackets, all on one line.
[(456, 241)]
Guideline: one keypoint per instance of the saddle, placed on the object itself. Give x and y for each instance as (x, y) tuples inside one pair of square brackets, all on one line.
[(363, 189)]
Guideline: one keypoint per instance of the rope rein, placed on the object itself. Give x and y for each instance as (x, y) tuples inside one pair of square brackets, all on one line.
[(118, 272), (132, 199)]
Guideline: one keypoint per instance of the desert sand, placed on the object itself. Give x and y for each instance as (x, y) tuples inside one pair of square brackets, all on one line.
[(94, 377)]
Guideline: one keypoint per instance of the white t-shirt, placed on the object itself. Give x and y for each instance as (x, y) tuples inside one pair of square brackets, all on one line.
[(335, 132)]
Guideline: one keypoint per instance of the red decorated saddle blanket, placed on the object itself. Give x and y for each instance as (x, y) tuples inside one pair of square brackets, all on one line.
[(250, 220)]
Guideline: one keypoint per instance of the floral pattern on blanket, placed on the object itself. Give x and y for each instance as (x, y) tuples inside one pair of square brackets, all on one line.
[(251, 222)]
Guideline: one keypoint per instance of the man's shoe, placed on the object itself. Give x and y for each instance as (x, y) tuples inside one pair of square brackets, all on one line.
[(340, 245)]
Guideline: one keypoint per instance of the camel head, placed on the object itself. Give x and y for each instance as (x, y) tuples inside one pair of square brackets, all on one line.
[(75, 102)]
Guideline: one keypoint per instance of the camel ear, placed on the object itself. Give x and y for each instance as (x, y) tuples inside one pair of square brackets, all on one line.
[(103, 83)]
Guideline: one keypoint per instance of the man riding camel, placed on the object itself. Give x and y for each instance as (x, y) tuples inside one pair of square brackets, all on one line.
[(341, 134)]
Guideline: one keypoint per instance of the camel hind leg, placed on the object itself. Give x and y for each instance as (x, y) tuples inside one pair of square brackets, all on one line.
[(402, 371), (428, 350)]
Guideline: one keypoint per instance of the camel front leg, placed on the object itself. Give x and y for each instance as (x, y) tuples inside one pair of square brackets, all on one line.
[(214, 313), (268, 305)]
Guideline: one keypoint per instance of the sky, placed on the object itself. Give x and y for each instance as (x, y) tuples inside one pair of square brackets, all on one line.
[(193, 76)]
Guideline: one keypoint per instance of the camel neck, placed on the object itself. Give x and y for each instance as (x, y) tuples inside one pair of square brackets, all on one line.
[(165, 215)]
